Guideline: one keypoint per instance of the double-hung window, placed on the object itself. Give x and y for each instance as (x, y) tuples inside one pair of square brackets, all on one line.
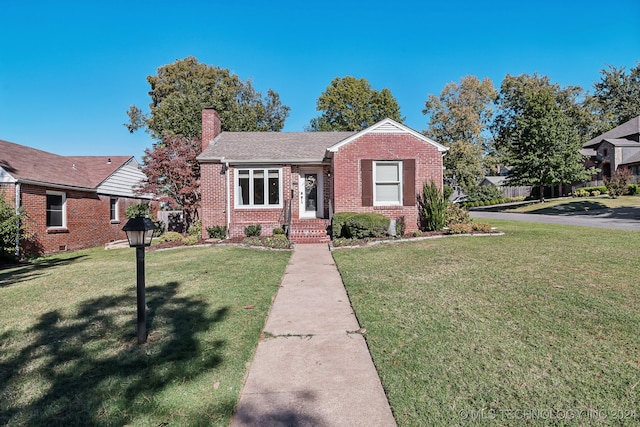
[(387, 183), (113, 209), (56, 209), (258, 187)]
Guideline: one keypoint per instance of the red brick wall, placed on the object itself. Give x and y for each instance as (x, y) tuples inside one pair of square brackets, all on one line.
[(212, 192), (87, 216), (347, 176), (214, 203), (8, 192)]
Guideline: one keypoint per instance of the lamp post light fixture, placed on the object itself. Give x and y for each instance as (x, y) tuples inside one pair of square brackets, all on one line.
[(139, 234)]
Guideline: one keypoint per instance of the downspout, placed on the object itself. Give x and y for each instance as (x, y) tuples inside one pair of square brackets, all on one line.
[(18, 201), (228, 194)]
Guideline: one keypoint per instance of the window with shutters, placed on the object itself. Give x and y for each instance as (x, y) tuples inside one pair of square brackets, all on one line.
[(387, 183)]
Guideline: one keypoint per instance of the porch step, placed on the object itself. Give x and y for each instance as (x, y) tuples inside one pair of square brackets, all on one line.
[(309, 231)]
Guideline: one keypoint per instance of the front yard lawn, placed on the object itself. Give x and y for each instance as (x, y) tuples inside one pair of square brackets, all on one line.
[(540, 326), (68, 349)]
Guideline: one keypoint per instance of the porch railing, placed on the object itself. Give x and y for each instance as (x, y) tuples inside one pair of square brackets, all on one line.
[(285, 217)]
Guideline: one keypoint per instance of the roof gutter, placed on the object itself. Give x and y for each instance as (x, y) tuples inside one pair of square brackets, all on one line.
[(59, 186), (264, 161)]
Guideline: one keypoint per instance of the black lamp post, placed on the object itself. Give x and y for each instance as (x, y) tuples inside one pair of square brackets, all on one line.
[(139, 233)]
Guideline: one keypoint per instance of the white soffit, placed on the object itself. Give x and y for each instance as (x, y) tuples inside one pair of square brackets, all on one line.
[(6, 176)]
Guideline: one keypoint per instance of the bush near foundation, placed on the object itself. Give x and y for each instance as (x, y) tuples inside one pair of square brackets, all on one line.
[(365, 225), (338, 222)]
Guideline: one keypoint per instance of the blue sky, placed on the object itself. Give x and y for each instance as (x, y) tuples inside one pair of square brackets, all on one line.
[(70, 69)]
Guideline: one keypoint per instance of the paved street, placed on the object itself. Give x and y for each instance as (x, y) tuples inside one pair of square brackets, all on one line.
[(626, 218)]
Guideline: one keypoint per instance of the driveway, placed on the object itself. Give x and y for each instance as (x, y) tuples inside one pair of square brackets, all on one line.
[(626, 218)]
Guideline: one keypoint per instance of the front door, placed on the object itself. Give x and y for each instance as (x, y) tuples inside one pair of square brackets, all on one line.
[(311, 191)]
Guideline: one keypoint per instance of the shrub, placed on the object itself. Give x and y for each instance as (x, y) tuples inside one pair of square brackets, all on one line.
[(447, 191), (432, 208), (12, 223), (253, 230), (484, 192), (170, 236), (364, 225), (595, 193), (217, 231), (195, 229), (456, 214), (189, 240), (278, 231), (401, 226), (137, 209), (601, 188), (632, 189), (617, 184), (161, 227), (481, 227), (460, 229), (337, 224), (277, 241), (416, 233)]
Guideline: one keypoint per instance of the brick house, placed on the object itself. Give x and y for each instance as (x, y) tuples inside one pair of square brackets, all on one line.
[(72, 202), (616, 148), (266, 177)]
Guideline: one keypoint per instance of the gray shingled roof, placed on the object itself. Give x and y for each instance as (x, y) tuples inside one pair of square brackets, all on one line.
[(620, 142), (626, 129), (495, 180), (288, 147), (635, 158), (26, 163)]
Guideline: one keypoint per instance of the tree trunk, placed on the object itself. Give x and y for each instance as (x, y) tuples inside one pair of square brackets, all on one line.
[(541, 189)]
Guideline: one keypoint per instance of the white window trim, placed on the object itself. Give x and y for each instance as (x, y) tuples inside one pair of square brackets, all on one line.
[(64, 209), (116, 218), (237, 192), (399, 182)]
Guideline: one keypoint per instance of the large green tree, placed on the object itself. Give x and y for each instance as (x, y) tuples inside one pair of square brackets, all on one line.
[(351, 104), (181, 90), (459, 118), (537, 134), (616, 98)]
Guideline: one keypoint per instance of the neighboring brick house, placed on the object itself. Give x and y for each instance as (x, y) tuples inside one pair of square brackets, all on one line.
[(260, 177), (619, 147), (72, 202)]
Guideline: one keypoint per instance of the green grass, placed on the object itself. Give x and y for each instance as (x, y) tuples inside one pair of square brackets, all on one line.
[(578, 204), (68, 348), (487, 330)]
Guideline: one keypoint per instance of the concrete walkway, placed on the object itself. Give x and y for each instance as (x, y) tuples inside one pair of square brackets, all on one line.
[(313, 368)]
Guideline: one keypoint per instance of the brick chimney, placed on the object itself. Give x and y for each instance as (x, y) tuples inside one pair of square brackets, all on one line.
[(211, 126)]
